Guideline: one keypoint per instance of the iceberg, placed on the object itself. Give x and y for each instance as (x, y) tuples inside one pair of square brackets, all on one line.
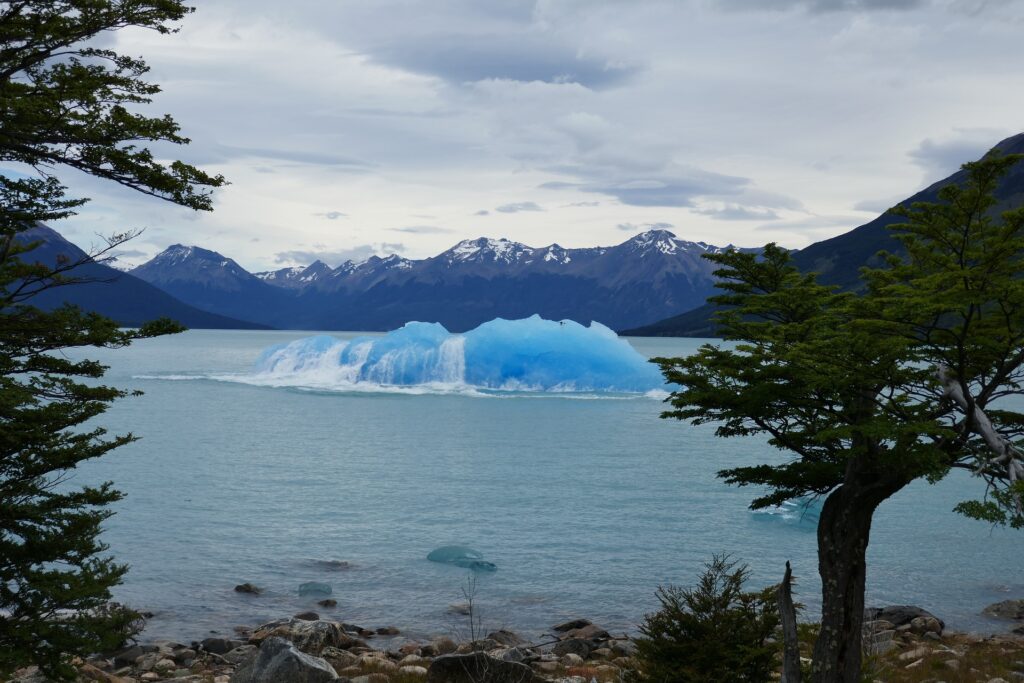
[(461, 556), (532, 354)]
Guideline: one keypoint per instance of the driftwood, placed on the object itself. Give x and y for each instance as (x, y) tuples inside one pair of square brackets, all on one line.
[(791, 647), (1007, 460)]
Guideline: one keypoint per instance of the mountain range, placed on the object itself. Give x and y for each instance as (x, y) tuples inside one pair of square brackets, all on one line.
[(644, 278), (653, 276)]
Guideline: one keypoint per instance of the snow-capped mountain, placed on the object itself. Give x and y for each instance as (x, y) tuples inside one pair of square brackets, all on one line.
[(647, 276), (296, 277)]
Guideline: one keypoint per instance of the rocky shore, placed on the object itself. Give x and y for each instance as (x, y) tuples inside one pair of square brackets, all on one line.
[(901, 644)]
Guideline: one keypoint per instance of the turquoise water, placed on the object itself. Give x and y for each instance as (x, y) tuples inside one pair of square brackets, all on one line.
[(586, 503)]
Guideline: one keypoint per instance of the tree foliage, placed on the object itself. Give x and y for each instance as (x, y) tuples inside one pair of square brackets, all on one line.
[(714, 631), (66, 103), (868, 391)]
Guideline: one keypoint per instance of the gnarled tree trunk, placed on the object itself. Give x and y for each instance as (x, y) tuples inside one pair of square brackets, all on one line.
[(843, 531)]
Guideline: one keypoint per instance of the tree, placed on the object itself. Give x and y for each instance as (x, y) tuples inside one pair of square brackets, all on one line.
[(868, 391), (714, 631), (66, 104)]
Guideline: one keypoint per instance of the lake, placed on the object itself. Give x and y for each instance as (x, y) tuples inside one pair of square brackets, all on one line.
[(586, 503)]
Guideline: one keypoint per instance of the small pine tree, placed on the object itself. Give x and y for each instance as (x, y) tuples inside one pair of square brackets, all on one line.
[(713, 632)]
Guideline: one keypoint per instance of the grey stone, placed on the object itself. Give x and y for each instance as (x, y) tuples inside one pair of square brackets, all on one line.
[(308, 616), (505, 637), (308, 636), (478, 667), (588, 632), (239, 654), (899, 615), (570, 625), (576, 646), (1007, 609), (248, 588), (220, 646), (278, 661)]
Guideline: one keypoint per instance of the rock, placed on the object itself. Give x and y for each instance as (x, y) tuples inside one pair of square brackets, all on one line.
[(439, 646), (128, 656), (459, 608), (573, 624), (601, 653), (307, 616), (880, 642), (418, 671), (923, 625), (878, 625), (328, 602), (278, 661), (623, 648), (239, 654), (248, 588), (505, 637), (388, 631), (588, 632), (315, 588), (516, 654), (916, 653), (482, 645), (220, 646), (1007, 609), (931, 635), (576, 646), (410, 648), (165, 665), (899, 614), (571, 659), (309, 636), (413, 660), (371, 678), (546, 667), (478, 667), (93, 673)]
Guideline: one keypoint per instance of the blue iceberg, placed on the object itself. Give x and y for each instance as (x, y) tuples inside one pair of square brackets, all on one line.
[(504, 355), (461, 556)]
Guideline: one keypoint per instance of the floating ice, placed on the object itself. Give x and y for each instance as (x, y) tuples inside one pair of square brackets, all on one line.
[(506, 355), (461, 556)]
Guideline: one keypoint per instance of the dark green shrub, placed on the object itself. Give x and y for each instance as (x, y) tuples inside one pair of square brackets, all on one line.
[(712, 632)]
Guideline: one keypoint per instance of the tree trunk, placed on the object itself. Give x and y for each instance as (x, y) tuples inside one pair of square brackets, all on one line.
[(843, 530), (791, 646)]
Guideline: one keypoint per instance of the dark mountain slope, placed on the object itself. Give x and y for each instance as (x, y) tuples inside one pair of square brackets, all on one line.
[(838, 260), (113, 293)]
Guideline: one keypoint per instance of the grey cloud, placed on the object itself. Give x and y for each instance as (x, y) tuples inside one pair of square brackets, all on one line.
[(812, 223), (512, 56), (677, 190), (422, 229), (583, 204), (332, 215), (516, 207), (877, 205), (482, 212), (941, 158), (223, 153), (632, 227), (822, 5), (735, 212)]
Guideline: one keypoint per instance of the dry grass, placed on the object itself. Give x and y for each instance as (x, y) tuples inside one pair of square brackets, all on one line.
[(957, 659)]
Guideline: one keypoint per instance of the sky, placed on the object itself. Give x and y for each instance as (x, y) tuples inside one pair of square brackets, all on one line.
[(356, 127)]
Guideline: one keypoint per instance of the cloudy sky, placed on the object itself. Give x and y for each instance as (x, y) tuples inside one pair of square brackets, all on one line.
[(352, 127)]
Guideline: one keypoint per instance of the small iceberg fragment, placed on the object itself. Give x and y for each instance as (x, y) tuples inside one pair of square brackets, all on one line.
[(315, 588), (461, 556), (532, 354)]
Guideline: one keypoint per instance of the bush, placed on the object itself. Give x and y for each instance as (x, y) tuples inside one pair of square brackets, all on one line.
[(712, 632)]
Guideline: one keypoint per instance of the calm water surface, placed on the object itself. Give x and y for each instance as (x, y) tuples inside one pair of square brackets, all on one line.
[(585, 504)]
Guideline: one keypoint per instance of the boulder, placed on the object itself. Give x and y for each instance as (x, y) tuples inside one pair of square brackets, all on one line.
[(328, 602), (1007, 609), (925, 625), (899, 615), (309, 636), (239, 654), (412, 670), (576, 646), (278, 661), (248, 588), (339, 659), (588, 632), (570, 625), (505, 637), (308, 616), (388, 631), (438, 646), (219, 646), (478, 667)]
